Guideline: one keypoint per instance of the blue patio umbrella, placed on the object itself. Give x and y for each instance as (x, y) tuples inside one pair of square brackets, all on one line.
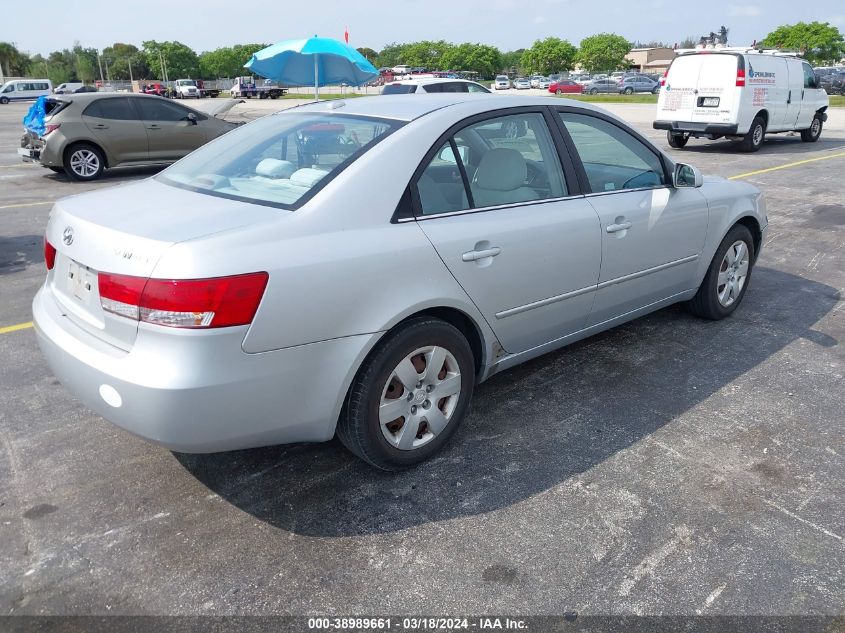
[(317, 61)]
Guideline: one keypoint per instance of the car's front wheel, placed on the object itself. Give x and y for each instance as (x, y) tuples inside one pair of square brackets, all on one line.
[(84, 162), (728, 276), (629, 91), (4, 100), (409, 396), (812, 134), (593, 91)]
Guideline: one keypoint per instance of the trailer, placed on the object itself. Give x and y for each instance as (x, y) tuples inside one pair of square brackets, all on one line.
[(247, 87)]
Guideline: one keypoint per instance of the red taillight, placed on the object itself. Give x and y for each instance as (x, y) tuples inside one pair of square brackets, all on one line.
[(49, 254), (740, 77), (189, 303), (51, 127)]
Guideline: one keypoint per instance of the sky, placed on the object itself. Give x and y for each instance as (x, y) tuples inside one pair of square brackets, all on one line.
[(508, 24)]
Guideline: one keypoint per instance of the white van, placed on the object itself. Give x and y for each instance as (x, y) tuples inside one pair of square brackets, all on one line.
[(24, 90), (741, 96), (67, 88)]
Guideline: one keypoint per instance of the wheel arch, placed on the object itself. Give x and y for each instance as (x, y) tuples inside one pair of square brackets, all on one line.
[(86, 141), (764, 114), (751, 223)]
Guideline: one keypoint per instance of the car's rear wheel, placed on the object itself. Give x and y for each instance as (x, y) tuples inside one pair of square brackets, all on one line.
[(812, 134), (629, 91), (655, 90), (677, 141), (593, 91), (84, 162), (728, 276), (409, 396), (754, 139), (558, 91)]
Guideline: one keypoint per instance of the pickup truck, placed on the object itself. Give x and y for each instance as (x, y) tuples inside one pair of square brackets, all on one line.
[(246, 87)]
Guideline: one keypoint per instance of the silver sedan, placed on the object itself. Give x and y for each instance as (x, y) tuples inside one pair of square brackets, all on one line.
[(356, 268)]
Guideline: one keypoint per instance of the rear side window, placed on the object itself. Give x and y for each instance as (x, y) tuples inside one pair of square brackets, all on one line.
[(446, 86), (613, 159), (153, 109), (118, 109), (398, 89)]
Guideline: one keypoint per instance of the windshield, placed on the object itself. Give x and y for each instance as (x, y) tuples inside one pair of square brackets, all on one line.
[(186, 82), (280, 160)]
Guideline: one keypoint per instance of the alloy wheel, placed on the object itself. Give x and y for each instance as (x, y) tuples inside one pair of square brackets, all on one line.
[(419, 398), (84, 163), (733, 273)]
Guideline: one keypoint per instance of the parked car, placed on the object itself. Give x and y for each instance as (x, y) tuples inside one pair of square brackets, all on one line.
[(25, 90), (433, 84), (175, 324), (155, 89), (742, 96), (87, 133), (582, 80), (833, 82), (68, 87), (82, 89), (502, 82), (535, 80), (544, 83), (601, 85), (521, 83), (638, 83), (566, 86)]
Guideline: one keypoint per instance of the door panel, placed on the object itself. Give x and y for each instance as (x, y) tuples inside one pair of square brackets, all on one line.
[(546, 251), (795, 95), (171, 135), (115, 124), (657, 256)]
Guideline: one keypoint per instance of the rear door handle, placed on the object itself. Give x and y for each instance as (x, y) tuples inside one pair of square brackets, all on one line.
[(622, 226), (472, 256), (100, 126), (153, 127)]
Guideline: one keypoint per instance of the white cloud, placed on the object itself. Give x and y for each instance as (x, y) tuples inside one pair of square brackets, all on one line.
[(836, 20), (744, 10), (540, 19)]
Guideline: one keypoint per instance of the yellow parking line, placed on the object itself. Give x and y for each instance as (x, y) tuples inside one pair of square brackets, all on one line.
[(787, 166), (15, 328), (27, 204)]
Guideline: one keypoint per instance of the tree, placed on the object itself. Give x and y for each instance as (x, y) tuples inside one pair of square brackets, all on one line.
[(86, 63), (426, 54), (227, 61), (689, 41), (511, 61), (123, 58), (548, 56), (179, 60), (369, 54), (14, 62), (480, 58), (603, 52), (819, 42)]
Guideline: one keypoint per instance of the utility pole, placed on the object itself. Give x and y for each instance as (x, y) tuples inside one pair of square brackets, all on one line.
[(100, 63), (130, 70)]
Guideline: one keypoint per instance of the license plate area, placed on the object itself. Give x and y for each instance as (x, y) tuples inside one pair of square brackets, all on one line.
[(81, 281), (708, 102)]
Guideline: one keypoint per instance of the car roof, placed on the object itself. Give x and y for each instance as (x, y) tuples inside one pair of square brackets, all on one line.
[(410, 107), (428, 80), (91, 96)]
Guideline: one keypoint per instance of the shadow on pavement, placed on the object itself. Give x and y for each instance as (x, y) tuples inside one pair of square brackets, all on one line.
[(20, 251), (774, 144), (532, 427)]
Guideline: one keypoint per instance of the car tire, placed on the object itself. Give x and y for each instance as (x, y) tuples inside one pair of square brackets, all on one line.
[(4, 100), (812, 134), (753, 141), (655, 90), (384, 443), (727, 277), (558, 92), (678, 141), (84, 162), (593, 91), (628, 91)]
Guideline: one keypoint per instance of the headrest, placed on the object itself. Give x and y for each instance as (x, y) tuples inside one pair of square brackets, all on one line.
[(501, 169), (275, 168), (307, 177)]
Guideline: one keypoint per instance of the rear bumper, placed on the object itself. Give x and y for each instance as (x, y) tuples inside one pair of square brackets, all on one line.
[(199, 392), (720, 129)]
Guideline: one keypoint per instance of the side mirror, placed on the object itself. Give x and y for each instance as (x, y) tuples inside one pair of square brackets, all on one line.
[(687, 176), (192, 118)]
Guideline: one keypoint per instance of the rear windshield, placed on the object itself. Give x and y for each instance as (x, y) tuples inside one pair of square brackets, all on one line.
[(398, 89), (280, 160)]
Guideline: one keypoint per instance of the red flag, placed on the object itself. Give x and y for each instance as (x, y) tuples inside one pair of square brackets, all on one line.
[(346, 34)]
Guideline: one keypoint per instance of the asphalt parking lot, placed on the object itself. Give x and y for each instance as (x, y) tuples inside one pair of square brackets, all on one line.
[(669, 466)]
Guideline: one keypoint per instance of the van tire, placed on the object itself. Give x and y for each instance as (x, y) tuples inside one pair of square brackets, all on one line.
[(678, 141), (753, 141), (812, 134), (4, 100)]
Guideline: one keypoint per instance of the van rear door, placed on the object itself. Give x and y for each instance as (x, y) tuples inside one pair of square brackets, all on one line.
[(700, 88)]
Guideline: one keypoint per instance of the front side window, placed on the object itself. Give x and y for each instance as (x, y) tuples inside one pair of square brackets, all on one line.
[(506, 160), (152, 109), (809, 76), (9, 88), (613, 158), (279, 160)]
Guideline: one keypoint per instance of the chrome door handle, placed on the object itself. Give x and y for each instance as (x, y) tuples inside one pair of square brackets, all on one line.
[(472, 256), (622, 226)]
